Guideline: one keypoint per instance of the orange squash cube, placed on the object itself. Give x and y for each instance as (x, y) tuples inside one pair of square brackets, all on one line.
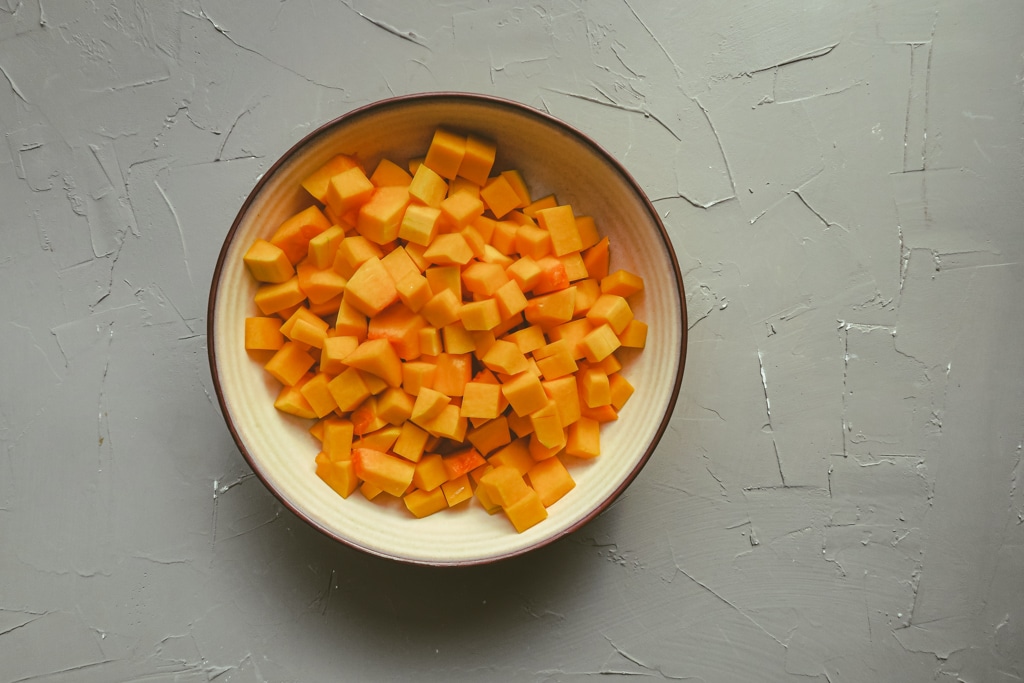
[(528, 339), (635, 334), (430, 342), (525, 393), (389, 173), (584, 439), (272, 298), (319, 285), (457, 490), (293, 235), (551, 480), (418, 374), (316, 182), (477, 159), (491, 435), (263, 333), (527, 512), (460, 209), (419, 224), (557, 364), (422, 503), (623, 283), (621, 390), (449, 249), (349, 389), (429, 472), (353, 251), (572, 332), (401, 326), (599, 343), (334, 351), (340, 475), (428, 404), (503, 237), (457, 339), (317, 394), (380, 216), (549, 310), (483, 279), (371, 289), (500, 196), (589, 236), (481, 400), (533, 241), (480, 315), (575, 268), (553, 275), (380, 439), (348, 190), (337, 441), (516, 454), (289, 363), (560, 223), (504, 485), (391, 473), (564, 392), (442, 309), (596, 259), (587, 292), (290, 400), (395, 405), (377, 357), (610, 309), (323, 247), (414, 291), (546, 202), (518, 184), (595, 389), (445, 153), (505, 357), (411, 442), (304, 314), (454, 370), (547, 426), (447, 424), (462, 462), (526, 273), (350, 322), (427, 187), (267, 262)]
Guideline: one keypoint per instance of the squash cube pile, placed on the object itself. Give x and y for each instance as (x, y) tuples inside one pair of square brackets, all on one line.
[(453, 340)]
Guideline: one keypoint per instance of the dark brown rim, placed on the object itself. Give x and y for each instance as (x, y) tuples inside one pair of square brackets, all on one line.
[(367, 110)]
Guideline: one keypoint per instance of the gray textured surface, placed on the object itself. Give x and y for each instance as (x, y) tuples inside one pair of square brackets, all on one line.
[(839, 497)]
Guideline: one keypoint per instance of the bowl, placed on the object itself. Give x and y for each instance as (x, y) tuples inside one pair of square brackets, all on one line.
[(553, 157)]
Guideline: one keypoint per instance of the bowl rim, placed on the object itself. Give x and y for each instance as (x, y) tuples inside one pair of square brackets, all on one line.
[(412, 99)]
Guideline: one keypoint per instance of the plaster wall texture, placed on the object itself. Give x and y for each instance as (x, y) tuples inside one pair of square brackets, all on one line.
[(840, 495)]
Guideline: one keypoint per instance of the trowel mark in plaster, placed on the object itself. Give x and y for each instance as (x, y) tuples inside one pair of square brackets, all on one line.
[(915, 133), (607, 101), (205, 17), (768, 410)]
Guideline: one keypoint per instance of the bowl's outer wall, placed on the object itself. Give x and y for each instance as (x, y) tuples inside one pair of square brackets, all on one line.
[(553, 158)]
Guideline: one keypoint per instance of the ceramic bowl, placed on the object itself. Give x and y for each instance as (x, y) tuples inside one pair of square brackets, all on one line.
[(553, 158)]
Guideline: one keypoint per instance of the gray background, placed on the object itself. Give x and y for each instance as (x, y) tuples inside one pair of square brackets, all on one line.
[(839, 496)]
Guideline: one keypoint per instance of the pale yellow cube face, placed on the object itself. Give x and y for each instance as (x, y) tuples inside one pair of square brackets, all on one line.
[(348, 190), (528, 511), (419, 224), (445, 153), (427, 187)]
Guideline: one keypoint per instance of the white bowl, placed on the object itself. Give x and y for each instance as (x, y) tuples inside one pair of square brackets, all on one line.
[(553, 157)]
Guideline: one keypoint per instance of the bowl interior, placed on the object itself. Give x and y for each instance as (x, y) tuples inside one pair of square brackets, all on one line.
[(553, 159)]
